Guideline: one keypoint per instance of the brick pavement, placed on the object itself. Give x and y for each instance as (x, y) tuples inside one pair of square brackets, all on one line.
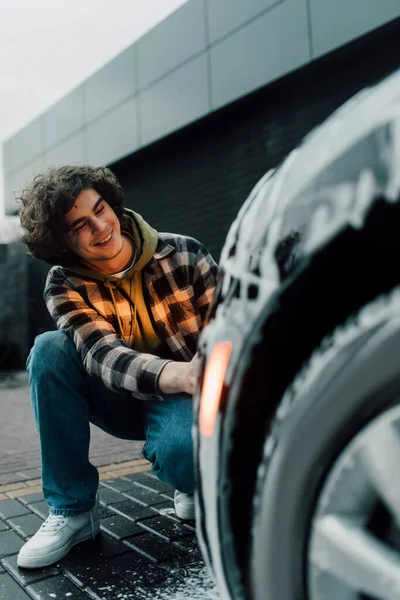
[(143, 551), (19, 440)]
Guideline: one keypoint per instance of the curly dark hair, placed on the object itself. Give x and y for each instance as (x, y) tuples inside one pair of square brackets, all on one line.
[(49, 197)]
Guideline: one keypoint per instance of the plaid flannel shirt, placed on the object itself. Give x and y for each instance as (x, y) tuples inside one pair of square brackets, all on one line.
[(178, 284)]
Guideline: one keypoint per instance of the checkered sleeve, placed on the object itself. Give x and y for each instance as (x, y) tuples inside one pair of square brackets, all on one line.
[(204, 280), (103, 353)]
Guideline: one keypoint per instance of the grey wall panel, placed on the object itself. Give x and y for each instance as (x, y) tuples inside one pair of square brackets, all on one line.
[(336, 22), (7, 156), (114, 135), (71, 150), (266, 49), (253, 42), (28, 143), (226, 15), (110, 86), (9, 203), (175, 101), (64, 118), (15, 183), (173, 41)]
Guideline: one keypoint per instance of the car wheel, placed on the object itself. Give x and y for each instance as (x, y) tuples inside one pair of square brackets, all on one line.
[(327, 505)]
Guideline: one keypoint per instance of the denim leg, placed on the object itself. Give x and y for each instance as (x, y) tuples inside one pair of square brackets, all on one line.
[(64, 399), (169, 445)]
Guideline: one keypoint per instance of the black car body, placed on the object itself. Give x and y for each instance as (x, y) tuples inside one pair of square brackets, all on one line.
[(316, 242)]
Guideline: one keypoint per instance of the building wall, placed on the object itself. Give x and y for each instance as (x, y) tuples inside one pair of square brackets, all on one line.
[(206, 55), (195, 181)]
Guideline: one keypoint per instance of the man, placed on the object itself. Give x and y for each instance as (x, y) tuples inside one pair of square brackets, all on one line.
[(128, 303)]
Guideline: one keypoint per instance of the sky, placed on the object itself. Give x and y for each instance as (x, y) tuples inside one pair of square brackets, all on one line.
[(47, 47)]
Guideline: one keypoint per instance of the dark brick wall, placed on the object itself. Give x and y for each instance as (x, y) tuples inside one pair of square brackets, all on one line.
[(195, 181), (13, 306)]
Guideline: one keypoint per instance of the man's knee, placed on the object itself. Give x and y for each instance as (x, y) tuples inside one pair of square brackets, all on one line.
[(173, 461), (48, 347), (176, 448)]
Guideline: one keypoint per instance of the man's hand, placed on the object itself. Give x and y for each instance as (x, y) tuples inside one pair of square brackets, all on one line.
[(178, 377)]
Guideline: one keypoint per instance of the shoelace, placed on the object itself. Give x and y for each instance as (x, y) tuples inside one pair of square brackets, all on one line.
[(53, 523)]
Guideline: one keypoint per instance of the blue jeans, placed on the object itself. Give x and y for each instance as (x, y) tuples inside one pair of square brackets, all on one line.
[(65, 399)]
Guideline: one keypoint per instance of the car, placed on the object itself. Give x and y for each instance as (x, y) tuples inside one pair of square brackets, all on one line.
[(297, 408)]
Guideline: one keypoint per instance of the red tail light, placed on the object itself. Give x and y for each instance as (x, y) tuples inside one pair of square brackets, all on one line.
[(212, 387)]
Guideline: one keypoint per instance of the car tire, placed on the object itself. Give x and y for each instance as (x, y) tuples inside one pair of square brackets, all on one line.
[(349, 381)]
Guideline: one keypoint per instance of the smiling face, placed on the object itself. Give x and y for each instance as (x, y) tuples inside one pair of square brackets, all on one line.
[(95, 234)]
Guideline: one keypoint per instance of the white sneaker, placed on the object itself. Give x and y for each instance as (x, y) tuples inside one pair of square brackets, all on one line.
[(184, 505), (56, 537)]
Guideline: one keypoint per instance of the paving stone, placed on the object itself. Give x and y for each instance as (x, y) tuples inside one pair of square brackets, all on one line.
[(109, 496), (105, 512), (10, 543), (136, 477), (191, 580), (32, 498), (180, 565), (169, 494), (154, 484), (154, 547), (167, 507), (41, 509), (128, 471), (86, 565), (27, 525), (124, 466), (166, 527), (189, 542), (11, 487), (120, 526), (12, 508), (190, 525), (56, 587), (141, 478), (177, 582), (109, 567), (118, 484), (84, 570), (30, 474), (10, 478), (133, 511), (151, 475), (3, 526), (136, 568), (21, 492), (113, 588), (144, 496), (10, 589), (191, 545), (27, 576), (103, 546), (34, 483)]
